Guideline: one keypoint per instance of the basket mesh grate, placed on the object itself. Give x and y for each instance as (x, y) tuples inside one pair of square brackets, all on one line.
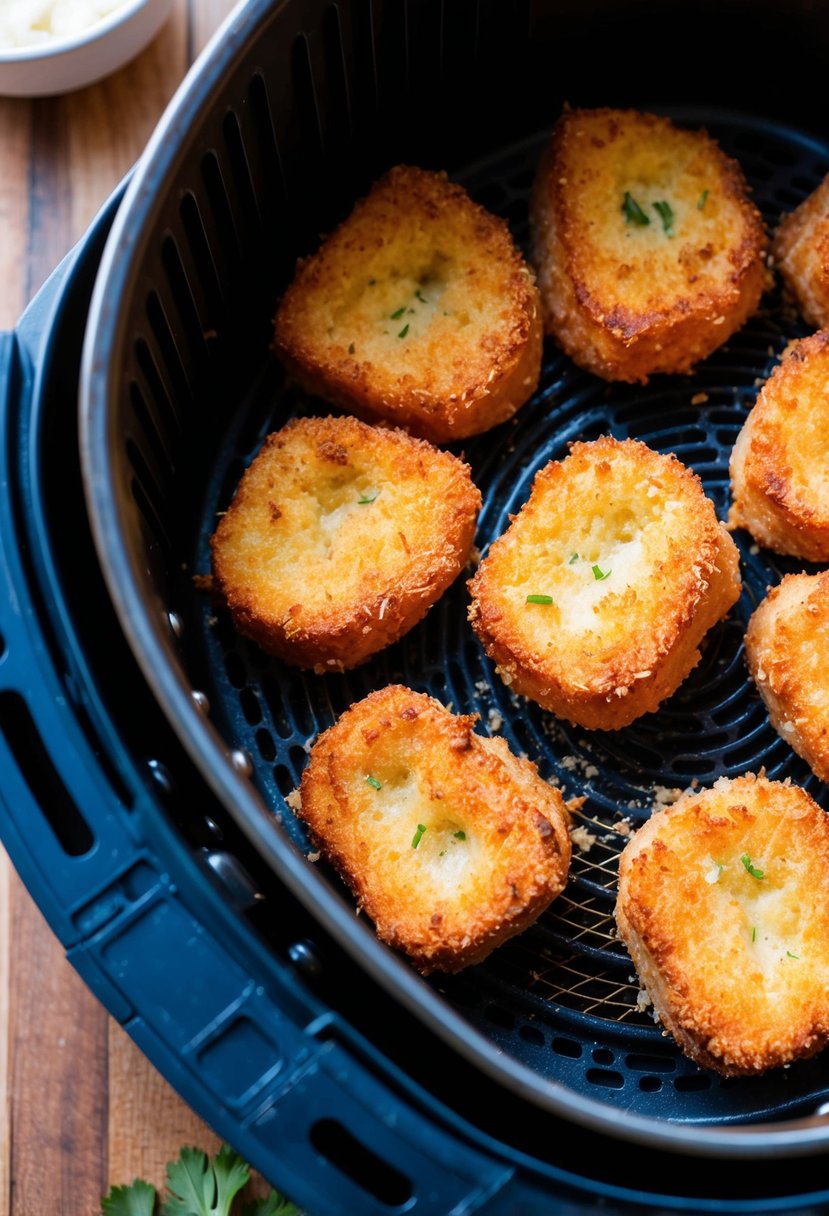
[(562, 997)]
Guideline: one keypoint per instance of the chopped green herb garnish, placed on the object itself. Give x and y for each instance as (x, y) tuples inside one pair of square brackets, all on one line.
[(666, 215), (395, 316), (442, 853), (754, 933), (419, 295), (539, 599), (351, 348), (633, 213), (574, 557), (753, 871), (374, 783), (459, 835), (598, 574), (701, 200), (404, 331), (367, 498), (421, 828), (790, 955)]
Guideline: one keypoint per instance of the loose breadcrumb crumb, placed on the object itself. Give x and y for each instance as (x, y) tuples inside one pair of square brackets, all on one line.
[(582, 838)]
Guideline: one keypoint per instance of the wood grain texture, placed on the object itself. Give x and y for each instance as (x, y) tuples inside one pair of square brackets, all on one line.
[(57, 1073), (15, 169), (80, 1107)]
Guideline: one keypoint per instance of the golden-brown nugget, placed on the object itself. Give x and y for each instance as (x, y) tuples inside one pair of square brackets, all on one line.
[(648, 250), (801, 251), (595, 599), (787, 642), (418, 310), (780, 463), (722, 905), (448, 841), (340, 538)]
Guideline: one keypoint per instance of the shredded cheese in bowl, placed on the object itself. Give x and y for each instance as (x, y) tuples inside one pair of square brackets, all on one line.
[(32, 23)]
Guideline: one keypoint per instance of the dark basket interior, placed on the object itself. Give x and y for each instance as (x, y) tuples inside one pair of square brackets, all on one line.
[(327, 97)]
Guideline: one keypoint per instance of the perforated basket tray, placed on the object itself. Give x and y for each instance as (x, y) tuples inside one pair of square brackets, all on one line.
[(179, 390), (562, 996)]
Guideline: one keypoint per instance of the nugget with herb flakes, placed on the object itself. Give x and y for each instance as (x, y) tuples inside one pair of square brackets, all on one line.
[(648, 250), (595, 600), (418, 311), (722, 905), (449, 842), (340, 538)]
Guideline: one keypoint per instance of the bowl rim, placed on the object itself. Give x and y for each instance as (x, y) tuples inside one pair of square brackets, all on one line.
[(96, 32)]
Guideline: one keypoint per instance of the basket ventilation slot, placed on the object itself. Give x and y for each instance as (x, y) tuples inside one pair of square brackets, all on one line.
[(370, 1172), (41, 776)]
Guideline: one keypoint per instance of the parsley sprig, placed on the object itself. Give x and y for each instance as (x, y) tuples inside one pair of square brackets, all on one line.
[(197, 1185), (136, 1200)]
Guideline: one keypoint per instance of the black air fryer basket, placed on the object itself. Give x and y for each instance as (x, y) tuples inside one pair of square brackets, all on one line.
[(149, 749)]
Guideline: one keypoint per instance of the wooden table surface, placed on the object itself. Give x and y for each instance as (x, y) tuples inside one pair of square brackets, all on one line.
[(80, 1107)]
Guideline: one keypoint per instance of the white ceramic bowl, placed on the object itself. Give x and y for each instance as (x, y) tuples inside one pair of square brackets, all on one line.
[(63, 64)]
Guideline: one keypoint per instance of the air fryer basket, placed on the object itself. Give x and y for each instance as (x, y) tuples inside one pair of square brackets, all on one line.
[(288, 118)]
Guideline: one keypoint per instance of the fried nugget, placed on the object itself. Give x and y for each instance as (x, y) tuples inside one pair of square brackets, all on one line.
[(722, 905), (448, 841), (648, 251), (801, 251), (786, 646), (595, 599), (418, 310), (780, 463), (340, 538)]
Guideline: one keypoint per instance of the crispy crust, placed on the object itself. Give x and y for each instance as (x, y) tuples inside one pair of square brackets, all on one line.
[(322, 580), (607, 649), (416, 258), (801, 250), (623, 300), (714, 947), (449, 901), (779, 477), (786, 646)]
